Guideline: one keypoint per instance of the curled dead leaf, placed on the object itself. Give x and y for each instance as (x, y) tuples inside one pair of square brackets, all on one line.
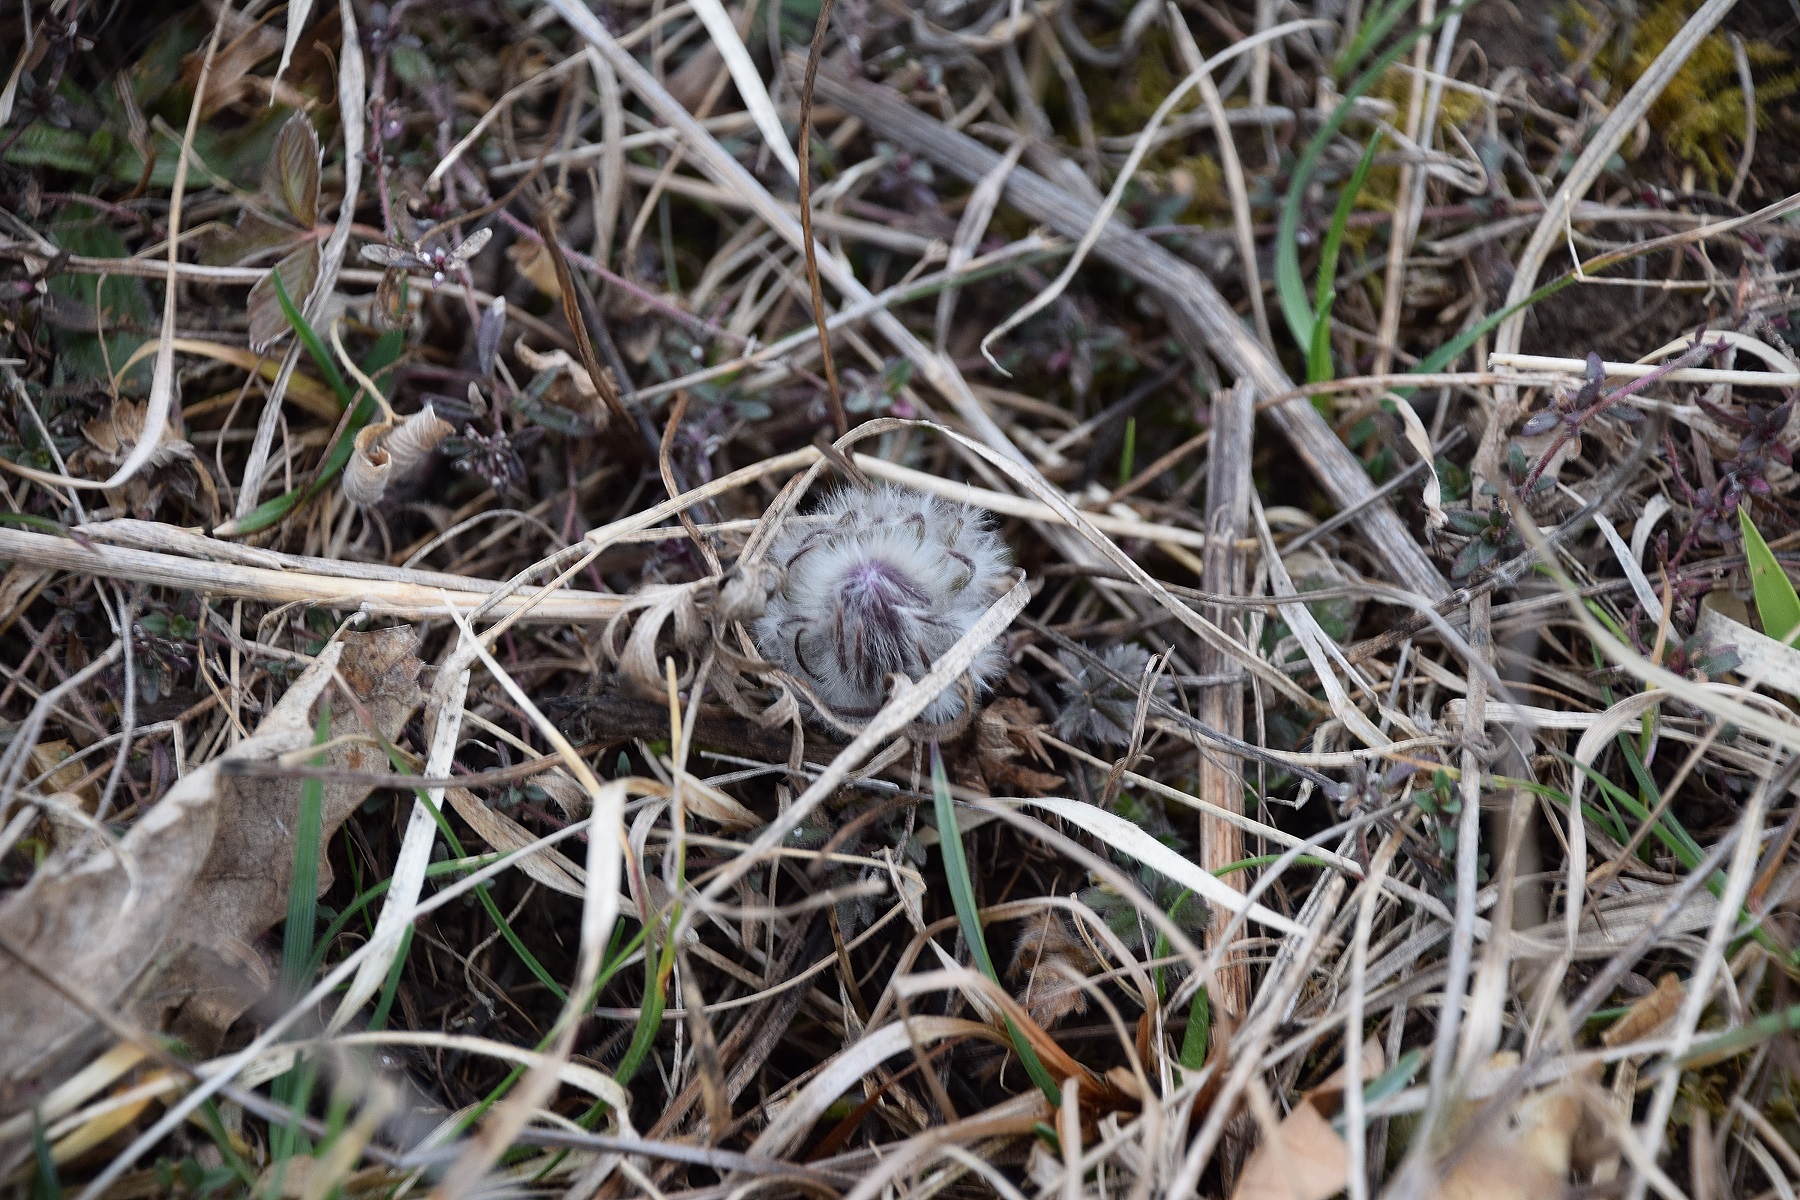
[(534, 263), (417, 436), (366, 474), (387, 452)]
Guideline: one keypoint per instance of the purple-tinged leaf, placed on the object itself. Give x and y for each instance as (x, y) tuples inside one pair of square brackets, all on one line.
[(255, 235), (292, 173), (1541, 422), (1468, 560), (298, 271), (473, 244), (1466, 522), (487, 342)]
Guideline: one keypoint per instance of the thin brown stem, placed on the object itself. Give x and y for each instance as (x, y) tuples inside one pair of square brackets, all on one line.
[(806, 226)]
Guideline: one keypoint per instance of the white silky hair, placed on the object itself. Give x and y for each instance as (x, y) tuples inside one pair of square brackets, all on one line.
[(882, 580)]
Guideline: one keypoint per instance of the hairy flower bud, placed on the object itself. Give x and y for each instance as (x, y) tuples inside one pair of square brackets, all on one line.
[(882, 580)]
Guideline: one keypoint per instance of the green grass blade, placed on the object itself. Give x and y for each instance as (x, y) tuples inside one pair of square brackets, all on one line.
[(1288, 285), (215, 1129), (309, 338), (385, 352), (1745, 1037), (390, 987), (1198, 1033), (656, 978), (1318, 358), (1161, 949), (1448, 353), (1677, 843), (295, 1088), (41, 525), (616, 957), (483, 893), (962, 895), (303, 884), (1394, 1078), (375, 892), (1387, 1083), (45, 1185), (1650, 797), (1377, 25), (1776, 603)]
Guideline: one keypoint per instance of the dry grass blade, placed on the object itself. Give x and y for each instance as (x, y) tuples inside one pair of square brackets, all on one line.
[(1194, 304), (803, 171), (1381, 787)]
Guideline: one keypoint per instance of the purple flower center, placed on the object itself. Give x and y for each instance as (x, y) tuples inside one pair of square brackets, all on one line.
[(877, 593)]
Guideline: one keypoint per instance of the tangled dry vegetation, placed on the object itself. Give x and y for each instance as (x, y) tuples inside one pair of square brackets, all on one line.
[(1250, 658)]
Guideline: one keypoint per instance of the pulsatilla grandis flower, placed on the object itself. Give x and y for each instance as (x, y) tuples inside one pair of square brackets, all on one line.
[(882, 580)]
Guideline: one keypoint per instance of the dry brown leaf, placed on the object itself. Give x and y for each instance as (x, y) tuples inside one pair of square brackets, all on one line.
[(287, 1178), (634, 324), (209, 869), (18, 588), (115, 433), (1647, 1012), (1006, 729), (1525, 1159), (45, 757), (66, 829), (248, 43), (549, 867), (535, 264), (1305, 1158), (576, 393), (1052, 961), (243, 888)]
